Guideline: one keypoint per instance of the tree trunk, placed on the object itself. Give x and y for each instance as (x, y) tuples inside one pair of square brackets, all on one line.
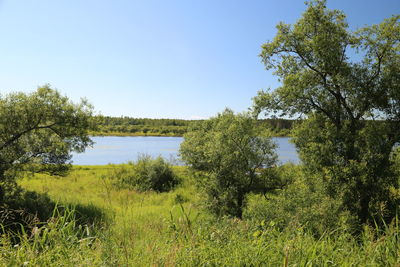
[(240, 200), (363, 213)]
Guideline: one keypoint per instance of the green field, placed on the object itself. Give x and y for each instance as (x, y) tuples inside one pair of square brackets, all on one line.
[(166, 229)]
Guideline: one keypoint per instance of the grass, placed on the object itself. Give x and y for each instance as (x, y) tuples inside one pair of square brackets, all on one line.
[(168, 229)]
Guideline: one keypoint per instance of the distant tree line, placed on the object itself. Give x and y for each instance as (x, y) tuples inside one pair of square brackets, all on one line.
[(124, 125)]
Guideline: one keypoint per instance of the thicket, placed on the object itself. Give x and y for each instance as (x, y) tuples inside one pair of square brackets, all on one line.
[(301, 203)]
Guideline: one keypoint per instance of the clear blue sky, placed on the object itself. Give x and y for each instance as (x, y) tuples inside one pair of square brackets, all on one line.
[(157, 59)]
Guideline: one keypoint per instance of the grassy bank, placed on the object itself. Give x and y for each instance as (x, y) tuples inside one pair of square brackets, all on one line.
[(167, 229)]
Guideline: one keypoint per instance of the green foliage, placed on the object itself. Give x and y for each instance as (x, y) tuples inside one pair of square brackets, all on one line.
[(302, 203), (362, 181), (61, 235), (38, 131), (137, 126), (148, 229), (146, 174), (232, 159), (29, 211), (126, 126), (340, 95)]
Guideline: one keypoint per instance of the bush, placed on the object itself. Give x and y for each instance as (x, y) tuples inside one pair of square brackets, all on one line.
[(145, 175), (302, 203)]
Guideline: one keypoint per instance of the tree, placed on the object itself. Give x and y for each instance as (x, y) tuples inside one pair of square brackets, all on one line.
[(38, 131), (347, 84), (231, 157)]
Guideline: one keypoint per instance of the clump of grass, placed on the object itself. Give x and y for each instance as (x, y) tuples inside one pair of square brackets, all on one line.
[(179, 199), (59, 241)]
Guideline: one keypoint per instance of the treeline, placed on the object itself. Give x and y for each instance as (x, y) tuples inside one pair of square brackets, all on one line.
[(278, 127), (128, 126)]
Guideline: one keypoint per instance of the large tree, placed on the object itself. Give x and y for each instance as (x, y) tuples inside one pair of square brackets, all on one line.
[(38, 132), (347, 85), (232, 158)]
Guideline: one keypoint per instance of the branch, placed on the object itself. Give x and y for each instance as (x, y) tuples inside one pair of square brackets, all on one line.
[(316, 106), (323, 76), (17, 136)]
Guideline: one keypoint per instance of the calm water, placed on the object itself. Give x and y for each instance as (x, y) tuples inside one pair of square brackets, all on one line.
[(115, 149)]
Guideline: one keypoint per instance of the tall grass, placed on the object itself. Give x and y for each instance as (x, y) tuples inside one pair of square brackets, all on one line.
[(168, 229)]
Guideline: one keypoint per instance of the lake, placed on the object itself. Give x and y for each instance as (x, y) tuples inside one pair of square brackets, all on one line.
[(117, 149)]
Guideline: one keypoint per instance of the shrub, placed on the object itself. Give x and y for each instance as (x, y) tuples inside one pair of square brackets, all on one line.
[(145, 175), (302, 203)]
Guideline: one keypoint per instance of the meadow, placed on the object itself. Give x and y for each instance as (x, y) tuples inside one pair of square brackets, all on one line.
[(232, 203), (131, 228)]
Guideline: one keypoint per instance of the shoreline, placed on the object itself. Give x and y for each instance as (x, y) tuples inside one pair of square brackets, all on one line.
[(119, 134)]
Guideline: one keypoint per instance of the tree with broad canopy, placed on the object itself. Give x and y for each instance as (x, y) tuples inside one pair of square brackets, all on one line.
[(347, 85), (38, 132)]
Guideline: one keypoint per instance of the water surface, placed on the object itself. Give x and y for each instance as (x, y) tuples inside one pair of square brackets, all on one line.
[(117, 149)]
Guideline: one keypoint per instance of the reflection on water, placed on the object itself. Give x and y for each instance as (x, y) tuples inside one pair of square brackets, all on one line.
[(116, 149)]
